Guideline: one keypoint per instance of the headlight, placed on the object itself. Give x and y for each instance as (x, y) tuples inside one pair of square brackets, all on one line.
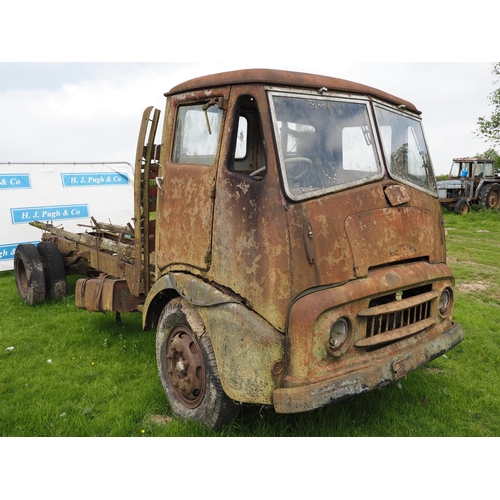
[(445, 301), (339, 333)]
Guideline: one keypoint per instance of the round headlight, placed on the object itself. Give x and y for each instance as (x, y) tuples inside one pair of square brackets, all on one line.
[(338, 334), (445, 301)]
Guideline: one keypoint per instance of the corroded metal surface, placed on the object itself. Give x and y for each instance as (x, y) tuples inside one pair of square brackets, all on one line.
[(308, 359), (385, 235), (92, 253), (259, 77), (146, 170), (357, 229), (381, 371), (105, 295), (186, 366), (251, 249), (185, 207), (250, 352)]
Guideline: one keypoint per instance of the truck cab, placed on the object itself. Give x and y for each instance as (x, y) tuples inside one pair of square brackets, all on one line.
[(299, 250)]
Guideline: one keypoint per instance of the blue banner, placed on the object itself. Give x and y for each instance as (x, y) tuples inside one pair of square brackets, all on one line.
[(60, 212), (94, 179), (7, 251), (15, 181)]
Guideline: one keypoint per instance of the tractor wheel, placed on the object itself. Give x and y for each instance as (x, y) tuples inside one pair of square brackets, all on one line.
[(55, 272), (462, 207), (187, 367), (29, 274), (489, 197)]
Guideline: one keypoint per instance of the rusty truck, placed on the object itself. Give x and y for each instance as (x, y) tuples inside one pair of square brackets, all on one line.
[(471, 182), (287, 245)]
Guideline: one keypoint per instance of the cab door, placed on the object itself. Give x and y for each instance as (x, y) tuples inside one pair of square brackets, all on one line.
[(250, 253), (192, 136)]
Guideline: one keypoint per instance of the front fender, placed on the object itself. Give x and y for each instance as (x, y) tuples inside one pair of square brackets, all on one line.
[(171, 285), (249, 352)]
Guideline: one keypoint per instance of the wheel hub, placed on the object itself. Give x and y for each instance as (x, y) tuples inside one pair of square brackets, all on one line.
[(494, 199), (186, 366)]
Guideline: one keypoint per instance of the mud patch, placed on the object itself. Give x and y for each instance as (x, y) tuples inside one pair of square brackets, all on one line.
[(158, 420), (478, 286), (433, 369)]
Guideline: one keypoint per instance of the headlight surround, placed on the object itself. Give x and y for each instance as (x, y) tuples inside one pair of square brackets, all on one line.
[(339, 334), (446, 301)]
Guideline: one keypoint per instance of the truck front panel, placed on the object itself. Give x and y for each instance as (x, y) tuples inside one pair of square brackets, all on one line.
[(353, 337)]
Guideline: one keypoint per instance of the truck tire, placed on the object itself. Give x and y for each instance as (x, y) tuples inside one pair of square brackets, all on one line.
[(489, 197), (55, 272), (462, 207), (29, 274), (187, 367)]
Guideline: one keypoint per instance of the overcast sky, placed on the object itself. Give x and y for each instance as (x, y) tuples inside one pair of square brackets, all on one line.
[(90, 112)]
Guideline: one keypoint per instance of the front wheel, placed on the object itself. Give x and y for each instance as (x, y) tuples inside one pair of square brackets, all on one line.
[(187, 367), (462, 207)]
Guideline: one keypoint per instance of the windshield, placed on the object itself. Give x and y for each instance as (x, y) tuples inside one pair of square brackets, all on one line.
[(325, 144), (405, 150)]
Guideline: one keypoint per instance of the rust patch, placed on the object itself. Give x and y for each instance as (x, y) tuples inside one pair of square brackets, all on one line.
[(388, 235), (397, 195)]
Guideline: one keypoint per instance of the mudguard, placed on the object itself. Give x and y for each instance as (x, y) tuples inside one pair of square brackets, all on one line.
[(256, 365)]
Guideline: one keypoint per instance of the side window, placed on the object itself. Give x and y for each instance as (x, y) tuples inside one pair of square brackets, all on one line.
[(249, 152), (197, 132)]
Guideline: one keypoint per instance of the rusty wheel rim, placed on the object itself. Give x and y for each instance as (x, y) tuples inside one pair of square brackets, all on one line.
[(21, 279), (186, 366), (493, 199), (464, 209)]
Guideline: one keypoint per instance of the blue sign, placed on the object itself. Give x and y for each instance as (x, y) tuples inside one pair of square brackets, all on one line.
[(7, 251), (15, 181), (59, 212), (94, 179)]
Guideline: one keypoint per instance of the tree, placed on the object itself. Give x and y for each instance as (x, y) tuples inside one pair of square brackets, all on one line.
[(490, 128)]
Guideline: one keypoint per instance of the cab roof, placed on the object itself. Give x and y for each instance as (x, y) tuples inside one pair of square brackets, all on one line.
[(273, 77), (473, 159)]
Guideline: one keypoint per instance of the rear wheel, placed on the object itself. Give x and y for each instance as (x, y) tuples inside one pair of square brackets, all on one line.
[(187, 367), (29, 274), (55, 272), (489, 197), (462, 207)]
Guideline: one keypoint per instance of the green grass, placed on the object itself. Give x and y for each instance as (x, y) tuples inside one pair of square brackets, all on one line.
[(102, 379)]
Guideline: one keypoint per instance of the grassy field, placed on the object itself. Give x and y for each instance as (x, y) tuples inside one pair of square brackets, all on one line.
[(64, 372)]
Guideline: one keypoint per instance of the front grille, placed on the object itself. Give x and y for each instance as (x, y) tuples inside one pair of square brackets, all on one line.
[(390, 321), (393, 317)]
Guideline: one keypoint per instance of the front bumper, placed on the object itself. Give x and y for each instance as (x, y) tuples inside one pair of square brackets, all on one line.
[(309, 397)]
